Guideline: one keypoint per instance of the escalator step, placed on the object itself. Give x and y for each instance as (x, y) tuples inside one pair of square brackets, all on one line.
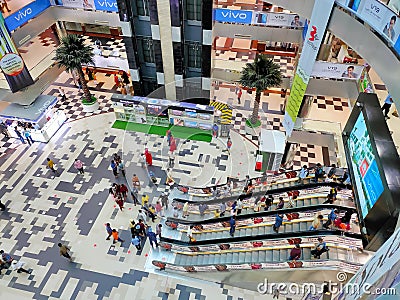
[(307, 202), (306, 253), (201, 259), (288, 227), (229, 258), (284, 255), (299, 203), (178, 259), (242, 256), (296, 227), (248, 257), (261, 256), (215, 259), (275, 255), (182, 260), (249, 232), (303, 226), (255, 256), (223, 258), (262, 230), (315, 201), (268, 255), (242, 232), (235, 257)]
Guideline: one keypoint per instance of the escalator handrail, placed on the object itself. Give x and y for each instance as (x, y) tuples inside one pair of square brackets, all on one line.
[(261, 214), (282, 235), (267, 192)]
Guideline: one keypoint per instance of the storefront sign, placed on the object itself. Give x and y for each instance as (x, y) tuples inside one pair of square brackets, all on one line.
[(233, 16), (331, 70), (11, 63), (26, 13), (316, 29), (281, 19), (106, 5)]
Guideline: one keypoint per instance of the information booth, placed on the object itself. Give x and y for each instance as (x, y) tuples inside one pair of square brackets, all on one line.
[(45, 122)]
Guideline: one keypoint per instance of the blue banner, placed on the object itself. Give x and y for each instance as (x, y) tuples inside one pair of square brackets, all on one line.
[(107, 5), (233, 16), (26, 13)]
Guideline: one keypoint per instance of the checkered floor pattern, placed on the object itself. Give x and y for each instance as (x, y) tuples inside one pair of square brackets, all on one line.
[(107, 44), (308, 155), (8, 145), (337, 103)]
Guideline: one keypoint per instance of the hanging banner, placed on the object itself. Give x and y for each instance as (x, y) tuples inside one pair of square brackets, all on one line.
[(11, 63), (338, 71), (86, 4), (106, 5), (23, 15), (233, 16), (316, 29)]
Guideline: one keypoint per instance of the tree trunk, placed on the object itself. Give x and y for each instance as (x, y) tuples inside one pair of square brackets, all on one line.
[(254, 116), (86, 91)]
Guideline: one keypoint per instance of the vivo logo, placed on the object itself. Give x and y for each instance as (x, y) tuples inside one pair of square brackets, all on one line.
[(234, 15), (107, 4), (279, 17), (332, 68), (375, 8), (23, 14)]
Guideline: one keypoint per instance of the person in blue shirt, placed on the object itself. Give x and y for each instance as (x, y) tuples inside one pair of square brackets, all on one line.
[(303, 173), (386, 106), (232, 223), (152, 237), (278, 222), (331, 218), (114, 168), (136, 243), (319, 249)]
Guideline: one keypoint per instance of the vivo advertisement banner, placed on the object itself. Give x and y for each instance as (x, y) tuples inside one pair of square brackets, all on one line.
[(319, 19), (233, 16), (338, 71), (273, 19), (104, 5), (26, 13), (379, 17)]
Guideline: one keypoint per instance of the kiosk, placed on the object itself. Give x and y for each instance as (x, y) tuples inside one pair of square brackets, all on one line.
[(45, 122)]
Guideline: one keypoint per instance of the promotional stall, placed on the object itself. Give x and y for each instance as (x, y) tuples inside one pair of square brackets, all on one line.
[(42, 121), (270, 151)]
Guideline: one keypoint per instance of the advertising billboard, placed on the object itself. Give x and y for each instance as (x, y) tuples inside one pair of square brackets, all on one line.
[(23, 15), (106, 5), (87, 4), (365, 169), (337, 71), (316, 29), (233, 16), (279, 19), (11, 63)]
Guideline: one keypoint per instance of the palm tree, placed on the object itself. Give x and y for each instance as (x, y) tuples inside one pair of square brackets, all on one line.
[(71, 54), (261, 74)]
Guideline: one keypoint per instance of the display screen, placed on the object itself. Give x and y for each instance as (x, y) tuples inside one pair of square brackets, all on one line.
[(205, 126), (191, 114), (190, 124), (156, 110), (365, 169), (176, 112), (204, 116)]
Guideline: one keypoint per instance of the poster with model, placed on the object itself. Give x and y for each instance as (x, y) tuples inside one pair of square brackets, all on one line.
[(366, 173), (87, 4), (11, 63)]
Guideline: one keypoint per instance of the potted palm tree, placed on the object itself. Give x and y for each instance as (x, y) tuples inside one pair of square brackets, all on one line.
[(260, 75), (71, 54)]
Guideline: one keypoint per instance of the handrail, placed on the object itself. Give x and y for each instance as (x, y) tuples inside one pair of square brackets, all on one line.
[(283, 235)]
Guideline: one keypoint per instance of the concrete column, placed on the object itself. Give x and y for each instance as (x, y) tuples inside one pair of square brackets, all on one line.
[(164, 19)]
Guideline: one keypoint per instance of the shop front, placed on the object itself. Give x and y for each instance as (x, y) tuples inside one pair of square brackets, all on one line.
[(40, 118)]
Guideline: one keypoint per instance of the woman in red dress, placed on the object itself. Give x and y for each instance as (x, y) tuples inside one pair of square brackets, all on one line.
[(149, 157), (172, 146)]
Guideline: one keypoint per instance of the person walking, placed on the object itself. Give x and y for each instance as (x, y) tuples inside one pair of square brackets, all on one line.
[(6, 258), (386, 106), (134, 194), (142, 216), (116, 237), (149, 157), (232, 224), (125, 77), (109, 231), (121, 168), (123, 189), (117, 80), (172, 146), (319, 248), (222, 209), (3, 129), (120, 202), (27, 134), (114, 168), (152, 237), (136, 182), (62, 93), (278, 222), (169, 136), (189, 234), (18, 266), (136, 242), (159, 230), (331, 218), (185, 210), (64, 251), (145, 200), (78, 164), (215, 130), (50, 165), (303, 173), (239, 95), (171, 160), (159, 209), (19, 135), (229, 145), (239, 206), (319, 172), (316, 223), (295, 253), (2, 206), (164, 200)]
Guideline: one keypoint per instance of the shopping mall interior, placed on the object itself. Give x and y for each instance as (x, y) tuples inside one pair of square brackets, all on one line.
[(231, 149)]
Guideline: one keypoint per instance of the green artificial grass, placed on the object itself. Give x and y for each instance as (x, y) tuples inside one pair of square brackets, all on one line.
[(186, 133), (92, 101), (249, 124)]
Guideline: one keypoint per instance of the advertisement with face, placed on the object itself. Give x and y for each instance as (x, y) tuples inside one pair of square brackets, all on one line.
[(331, 70), (87, 4)]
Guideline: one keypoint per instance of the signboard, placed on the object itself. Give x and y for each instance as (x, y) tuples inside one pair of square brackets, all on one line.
[(316, 29), (11, 63), (87, 4), (331, 70), (20, 17), (279, 19), (233, 16), (365, 169), (106, 5)]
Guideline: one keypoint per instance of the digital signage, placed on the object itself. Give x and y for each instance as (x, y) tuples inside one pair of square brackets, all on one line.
[(365, 169)]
